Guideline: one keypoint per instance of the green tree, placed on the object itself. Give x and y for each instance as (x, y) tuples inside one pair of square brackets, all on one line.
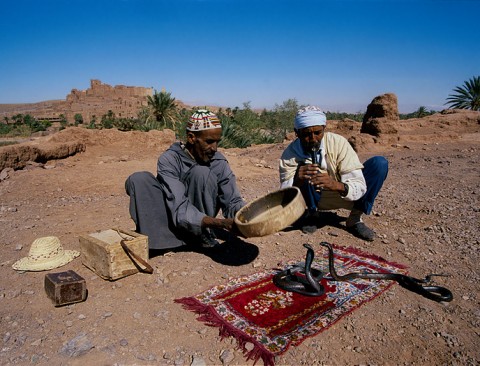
[(233, 135), (93, 122), (280, 120), (18, 119), (63, 121), (343, 115), (108, 120), (163, 108), (246, 118), (466, 96), (421, 112), (244, 128), (78, 119), (5, 129), (126, 124), (29, 121), (145, 120)]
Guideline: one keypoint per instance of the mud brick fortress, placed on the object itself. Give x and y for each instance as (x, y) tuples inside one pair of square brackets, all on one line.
[(124, 101), (98, 100)]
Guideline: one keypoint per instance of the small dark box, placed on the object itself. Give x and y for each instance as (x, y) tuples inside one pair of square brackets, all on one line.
[(65, 288)]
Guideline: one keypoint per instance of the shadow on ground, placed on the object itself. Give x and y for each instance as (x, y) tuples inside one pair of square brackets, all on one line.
[(233, 252), (309, 225)]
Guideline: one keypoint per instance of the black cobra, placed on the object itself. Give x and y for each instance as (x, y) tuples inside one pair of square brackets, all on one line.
[(301, 278), (436, 293)]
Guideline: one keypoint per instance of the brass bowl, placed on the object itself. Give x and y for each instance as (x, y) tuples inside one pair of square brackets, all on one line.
[(271, 213)]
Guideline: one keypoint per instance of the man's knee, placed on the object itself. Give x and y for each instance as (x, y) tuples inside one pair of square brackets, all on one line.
[(377, 164), (137, 179), (381, 162)]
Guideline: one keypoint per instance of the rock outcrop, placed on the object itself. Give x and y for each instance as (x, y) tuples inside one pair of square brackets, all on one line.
[(381, 112), (18, 156)]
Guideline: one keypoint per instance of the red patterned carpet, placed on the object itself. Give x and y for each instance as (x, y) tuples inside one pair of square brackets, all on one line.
[(252, 309)]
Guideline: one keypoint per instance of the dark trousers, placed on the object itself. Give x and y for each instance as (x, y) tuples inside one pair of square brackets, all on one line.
[(149, 208)]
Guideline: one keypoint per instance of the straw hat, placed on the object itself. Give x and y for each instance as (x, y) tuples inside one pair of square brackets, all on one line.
[(45, 253)]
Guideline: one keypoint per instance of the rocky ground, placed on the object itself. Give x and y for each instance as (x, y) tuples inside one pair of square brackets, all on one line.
[(426, 217)]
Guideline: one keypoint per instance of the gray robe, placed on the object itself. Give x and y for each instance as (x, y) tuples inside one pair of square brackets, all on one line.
[(169, 208)]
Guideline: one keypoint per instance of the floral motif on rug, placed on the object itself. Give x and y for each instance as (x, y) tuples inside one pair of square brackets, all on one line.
[(253, 310)]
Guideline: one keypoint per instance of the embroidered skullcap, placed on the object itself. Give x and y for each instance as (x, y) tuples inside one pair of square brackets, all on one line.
[(310, 116), (203, 119)]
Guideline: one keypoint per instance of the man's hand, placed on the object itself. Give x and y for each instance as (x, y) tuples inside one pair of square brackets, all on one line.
[(307, 172), (217, 223), (321, 181)]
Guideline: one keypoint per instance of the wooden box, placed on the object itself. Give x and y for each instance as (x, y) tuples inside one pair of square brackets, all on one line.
[(104, 255), (65, 288)]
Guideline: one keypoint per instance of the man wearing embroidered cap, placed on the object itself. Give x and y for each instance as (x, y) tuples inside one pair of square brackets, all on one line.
[(328, 172), (194, 182)]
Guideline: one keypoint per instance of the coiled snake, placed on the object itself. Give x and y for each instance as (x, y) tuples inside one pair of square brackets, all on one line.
[(289, 279), (301, 278)]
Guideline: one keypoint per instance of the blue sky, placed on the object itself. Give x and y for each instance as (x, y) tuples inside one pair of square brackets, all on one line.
[(338, 54)]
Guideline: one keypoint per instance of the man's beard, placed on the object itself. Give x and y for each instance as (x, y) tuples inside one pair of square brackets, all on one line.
[(310, 148)]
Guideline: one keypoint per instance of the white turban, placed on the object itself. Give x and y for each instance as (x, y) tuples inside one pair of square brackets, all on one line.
[(310, 116)]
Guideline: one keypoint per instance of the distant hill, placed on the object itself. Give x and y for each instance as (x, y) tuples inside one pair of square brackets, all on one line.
[(26, 107)]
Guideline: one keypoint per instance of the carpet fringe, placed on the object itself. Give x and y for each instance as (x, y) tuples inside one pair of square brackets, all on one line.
[(209, 317)]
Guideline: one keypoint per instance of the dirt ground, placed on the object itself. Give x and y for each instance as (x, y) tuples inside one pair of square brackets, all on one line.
[(426, 217)]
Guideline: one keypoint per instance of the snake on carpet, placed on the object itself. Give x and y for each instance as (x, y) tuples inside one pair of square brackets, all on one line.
[(305, 280), (435, 293)]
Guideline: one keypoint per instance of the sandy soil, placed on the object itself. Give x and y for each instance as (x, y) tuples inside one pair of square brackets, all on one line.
[(426, 217)]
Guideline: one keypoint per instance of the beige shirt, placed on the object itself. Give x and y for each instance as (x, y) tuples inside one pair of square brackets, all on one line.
[(339, 160)]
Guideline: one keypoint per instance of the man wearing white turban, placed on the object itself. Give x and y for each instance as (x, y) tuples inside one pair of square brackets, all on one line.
[(328, 172)]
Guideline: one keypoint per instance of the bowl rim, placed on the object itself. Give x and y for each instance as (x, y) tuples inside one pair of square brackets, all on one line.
[(242, 224)]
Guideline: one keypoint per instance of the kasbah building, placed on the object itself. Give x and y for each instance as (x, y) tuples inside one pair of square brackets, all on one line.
[(92, 103)]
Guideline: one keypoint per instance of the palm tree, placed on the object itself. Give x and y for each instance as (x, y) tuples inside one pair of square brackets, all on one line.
[(467, 96), (421, 112), (163, 108)]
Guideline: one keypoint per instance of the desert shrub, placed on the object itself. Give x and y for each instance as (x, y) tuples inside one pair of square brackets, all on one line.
[(246, 118), (5, 129), (63, 121), (240, 128), (93, 123), (279, 121), (107, 121), (419, 113), (7, 143), (19, 131), (150, 125), (36, 126), (233, 135), (125, 124), (78, 118), (24, 125), (338, 116)]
